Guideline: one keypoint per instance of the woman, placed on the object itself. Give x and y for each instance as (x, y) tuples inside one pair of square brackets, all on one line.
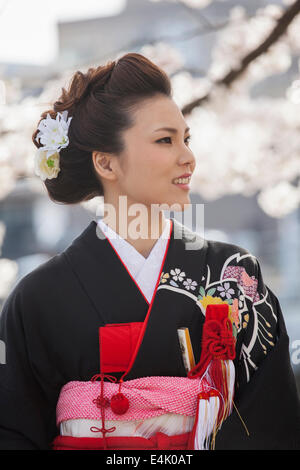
[(140, 335)]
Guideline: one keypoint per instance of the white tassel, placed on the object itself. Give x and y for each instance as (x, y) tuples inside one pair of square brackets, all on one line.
[(208, 409), (207, 415), (231, 376)]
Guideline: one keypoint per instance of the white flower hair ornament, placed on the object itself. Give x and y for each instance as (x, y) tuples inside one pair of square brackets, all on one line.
[(53, 136)]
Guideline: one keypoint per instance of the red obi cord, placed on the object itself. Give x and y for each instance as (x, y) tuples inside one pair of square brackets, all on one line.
[(218, 341)]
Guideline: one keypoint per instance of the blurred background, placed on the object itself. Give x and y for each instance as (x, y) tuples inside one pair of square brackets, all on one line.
[(235, 71)]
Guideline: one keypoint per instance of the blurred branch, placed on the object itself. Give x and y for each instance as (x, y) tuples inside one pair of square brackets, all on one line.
[(282, 24)]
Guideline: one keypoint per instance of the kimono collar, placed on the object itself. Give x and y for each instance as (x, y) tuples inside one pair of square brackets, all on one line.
[(126, 250), (106, 280)]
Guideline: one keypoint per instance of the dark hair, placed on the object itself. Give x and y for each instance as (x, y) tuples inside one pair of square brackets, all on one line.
[(100, 102)]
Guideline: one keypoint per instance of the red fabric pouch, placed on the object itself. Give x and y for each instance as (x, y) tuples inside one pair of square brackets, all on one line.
[(117, 344)]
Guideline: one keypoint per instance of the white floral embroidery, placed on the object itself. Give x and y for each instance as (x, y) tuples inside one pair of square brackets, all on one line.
[(226, 290), (177, 274), (241, 300), (189, 284)]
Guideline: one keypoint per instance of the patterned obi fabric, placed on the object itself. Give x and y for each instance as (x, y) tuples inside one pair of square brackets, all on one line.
[(156, 404)]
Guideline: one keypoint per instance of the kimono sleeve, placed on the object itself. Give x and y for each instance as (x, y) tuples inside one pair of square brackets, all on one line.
[(266, 397), (27, 418)]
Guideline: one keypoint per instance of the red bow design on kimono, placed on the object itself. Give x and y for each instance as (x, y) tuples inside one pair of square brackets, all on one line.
[(218, 341)]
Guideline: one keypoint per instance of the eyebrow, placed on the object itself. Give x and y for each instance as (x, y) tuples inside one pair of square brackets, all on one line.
[(170, 129)]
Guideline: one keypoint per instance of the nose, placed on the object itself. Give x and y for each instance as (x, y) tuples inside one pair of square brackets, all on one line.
[(188, 161)]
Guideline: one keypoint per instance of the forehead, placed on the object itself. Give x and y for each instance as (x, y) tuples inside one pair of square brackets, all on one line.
[(156, 113)]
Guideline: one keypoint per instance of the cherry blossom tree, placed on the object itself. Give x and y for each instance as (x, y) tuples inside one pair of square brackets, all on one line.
[(246, 145)]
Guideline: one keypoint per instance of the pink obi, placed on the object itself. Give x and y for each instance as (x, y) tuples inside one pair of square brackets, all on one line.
[(147, 396)]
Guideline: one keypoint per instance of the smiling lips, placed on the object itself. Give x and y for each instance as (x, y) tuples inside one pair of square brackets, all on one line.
[(183, 181)]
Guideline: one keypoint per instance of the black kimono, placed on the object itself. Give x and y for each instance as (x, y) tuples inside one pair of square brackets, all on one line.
[(51, 320)]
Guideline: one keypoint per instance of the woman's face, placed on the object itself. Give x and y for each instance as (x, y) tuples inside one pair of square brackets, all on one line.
[(153, 157)]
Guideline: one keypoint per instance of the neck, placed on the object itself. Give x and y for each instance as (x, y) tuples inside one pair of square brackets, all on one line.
[(141, 231)]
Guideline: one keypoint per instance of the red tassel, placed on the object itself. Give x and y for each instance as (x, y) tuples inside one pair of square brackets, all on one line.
[(119, 404), (218, 346)]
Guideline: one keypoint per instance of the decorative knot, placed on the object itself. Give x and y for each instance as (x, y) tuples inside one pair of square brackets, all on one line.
[(111, 378), (101, 401), (218, 339), (103, 430)]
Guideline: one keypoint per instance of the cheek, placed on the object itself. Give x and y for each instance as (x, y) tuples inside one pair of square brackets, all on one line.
[(160, 163), (145, 168), (151, 166)]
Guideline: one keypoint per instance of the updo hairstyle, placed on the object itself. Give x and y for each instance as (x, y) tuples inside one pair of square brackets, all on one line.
[(101, 102)]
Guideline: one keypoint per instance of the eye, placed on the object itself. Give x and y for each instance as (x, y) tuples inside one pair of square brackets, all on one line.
[(164, 138), (187, 139)]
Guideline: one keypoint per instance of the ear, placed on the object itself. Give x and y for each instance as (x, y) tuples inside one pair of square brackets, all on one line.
[(103, 165)]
